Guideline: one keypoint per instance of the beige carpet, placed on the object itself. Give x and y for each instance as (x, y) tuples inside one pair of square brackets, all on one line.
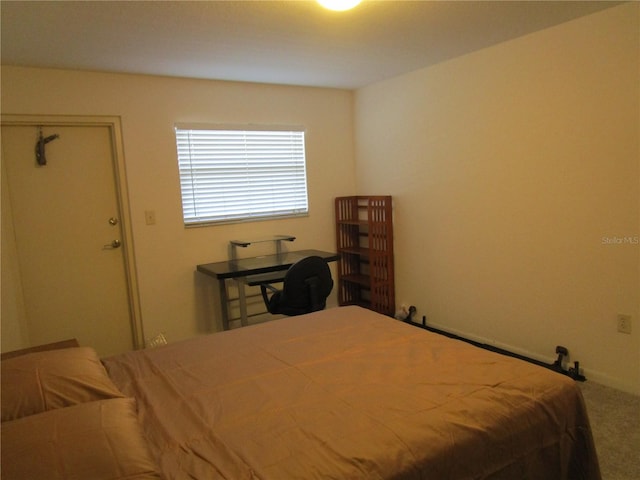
[(615, 421)]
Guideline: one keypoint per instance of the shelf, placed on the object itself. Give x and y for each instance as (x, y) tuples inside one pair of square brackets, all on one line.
[(354, 250), (276, 239), (363, 280), (364, 238), (360, 303), (359, 223), (272, 238)]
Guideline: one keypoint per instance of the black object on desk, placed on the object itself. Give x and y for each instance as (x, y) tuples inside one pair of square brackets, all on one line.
[(254, 271)]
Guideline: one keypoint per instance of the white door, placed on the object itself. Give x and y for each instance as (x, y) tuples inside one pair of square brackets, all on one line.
[(68, 238)]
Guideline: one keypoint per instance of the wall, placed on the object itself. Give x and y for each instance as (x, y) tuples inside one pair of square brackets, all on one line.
[(174, 298), (517, 190), (511, 169), (14, 334)]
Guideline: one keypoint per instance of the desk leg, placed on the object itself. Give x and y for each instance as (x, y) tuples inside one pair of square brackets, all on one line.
[(243, 302), (224, 303)]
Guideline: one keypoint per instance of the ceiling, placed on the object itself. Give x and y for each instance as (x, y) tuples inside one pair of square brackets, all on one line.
[(283, 42)]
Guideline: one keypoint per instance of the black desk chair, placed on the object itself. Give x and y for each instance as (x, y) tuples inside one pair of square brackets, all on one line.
[(307, 284)]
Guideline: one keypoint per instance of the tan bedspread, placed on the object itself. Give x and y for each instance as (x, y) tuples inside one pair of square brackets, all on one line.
[(346, 393)]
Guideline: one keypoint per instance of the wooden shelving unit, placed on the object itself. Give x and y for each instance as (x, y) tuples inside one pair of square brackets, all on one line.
[(364, 239)]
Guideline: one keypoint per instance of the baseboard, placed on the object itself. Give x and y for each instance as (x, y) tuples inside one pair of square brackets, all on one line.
[(590, 374), (492, 343)]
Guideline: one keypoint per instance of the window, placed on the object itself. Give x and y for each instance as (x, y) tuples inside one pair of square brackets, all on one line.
[(230, 175)]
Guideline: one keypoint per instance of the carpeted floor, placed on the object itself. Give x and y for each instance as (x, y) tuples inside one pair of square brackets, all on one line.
[(615, 421)]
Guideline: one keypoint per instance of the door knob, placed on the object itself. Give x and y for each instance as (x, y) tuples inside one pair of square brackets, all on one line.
[(114, 244), (113, 221)]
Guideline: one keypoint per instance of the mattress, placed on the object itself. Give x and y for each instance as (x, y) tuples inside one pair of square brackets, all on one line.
[(347, 393)]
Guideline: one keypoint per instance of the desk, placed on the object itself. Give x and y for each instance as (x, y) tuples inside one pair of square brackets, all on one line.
[(254, 271)]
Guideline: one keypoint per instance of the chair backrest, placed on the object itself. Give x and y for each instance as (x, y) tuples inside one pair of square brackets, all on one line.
[(307, 284)]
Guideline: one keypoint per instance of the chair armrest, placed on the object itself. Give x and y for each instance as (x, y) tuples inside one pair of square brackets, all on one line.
[(265, 297), (268, 286)]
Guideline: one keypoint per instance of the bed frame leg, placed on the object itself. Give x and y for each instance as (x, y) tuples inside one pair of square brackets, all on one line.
[(562, 352)]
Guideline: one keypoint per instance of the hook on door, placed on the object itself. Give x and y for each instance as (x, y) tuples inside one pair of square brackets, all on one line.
[(40, 143)]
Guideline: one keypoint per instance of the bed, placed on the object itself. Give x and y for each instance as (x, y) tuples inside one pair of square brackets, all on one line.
[(347, 393)]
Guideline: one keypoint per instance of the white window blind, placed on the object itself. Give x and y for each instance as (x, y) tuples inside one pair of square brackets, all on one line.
[(235, 175)]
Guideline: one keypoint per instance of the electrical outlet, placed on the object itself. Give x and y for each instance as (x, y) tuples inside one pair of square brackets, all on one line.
[(624, 323), (157, 341), (150, 217)]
